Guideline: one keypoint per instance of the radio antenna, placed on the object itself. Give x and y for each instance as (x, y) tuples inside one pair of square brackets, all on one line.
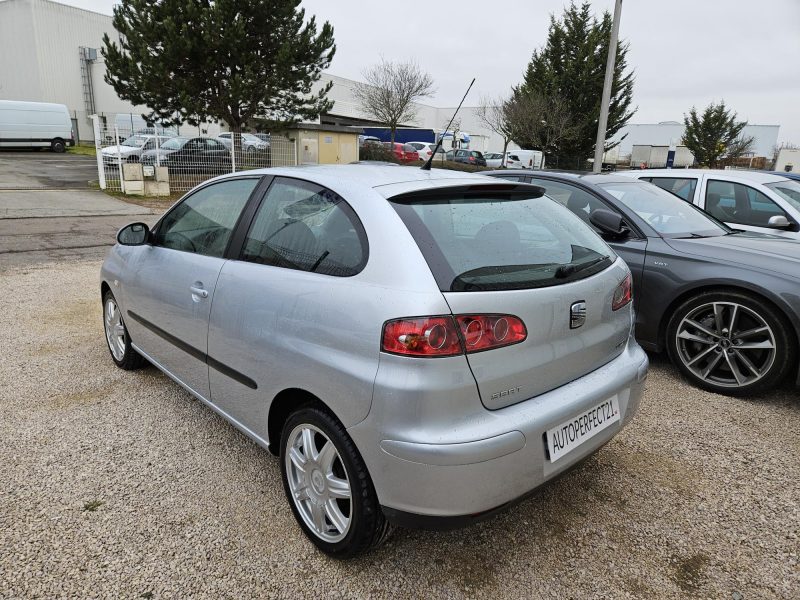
[(427, 165)]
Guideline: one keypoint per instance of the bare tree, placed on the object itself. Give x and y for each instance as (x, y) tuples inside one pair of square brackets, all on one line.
[(739, 147), (390, 90), (494, 113), (540, 122), (776, 150)]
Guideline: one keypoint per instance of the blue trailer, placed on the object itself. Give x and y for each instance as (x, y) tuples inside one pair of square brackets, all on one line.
[(402, 135)]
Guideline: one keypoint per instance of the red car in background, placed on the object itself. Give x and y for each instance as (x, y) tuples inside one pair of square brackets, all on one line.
[(402, 152)]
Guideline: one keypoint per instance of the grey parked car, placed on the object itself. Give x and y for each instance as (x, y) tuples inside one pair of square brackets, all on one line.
[(420, 348), (724, 303)]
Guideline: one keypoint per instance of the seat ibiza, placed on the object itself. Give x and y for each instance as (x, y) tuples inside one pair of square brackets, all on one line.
[(419, 348)]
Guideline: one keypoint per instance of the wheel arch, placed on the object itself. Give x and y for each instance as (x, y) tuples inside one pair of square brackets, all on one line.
[(104, 287), (283, 405), (758, 293)]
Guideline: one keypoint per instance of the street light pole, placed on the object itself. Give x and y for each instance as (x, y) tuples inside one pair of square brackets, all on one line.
[(602, 123)]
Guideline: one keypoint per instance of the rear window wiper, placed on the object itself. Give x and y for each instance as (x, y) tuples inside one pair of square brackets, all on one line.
[(570, 269)]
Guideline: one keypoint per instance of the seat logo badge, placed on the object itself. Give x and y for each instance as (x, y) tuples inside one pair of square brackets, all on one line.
[(577, 314)]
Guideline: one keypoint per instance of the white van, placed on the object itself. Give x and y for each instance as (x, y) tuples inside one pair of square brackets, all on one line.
[(525, 159), (35, 125)]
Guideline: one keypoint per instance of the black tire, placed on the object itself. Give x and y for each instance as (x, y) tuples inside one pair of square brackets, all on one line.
[(58, 145), (130, 359), (368, 527), (772, 370)]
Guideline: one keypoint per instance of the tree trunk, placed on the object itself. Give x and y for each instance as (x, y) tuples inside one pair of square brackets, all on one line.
[(393, 129), (505, 149)]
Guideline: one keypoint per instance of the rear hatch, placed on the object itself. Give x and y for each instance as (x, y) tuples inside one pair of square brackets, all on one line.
[(506, 250)]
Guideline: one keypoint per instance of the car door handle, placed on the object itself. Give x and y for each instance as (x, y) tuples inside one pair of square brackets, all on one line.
[(198, 291)]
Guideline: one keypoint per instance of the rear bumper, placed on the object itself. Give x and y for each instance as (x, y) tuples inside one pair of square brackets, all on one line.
[(474, 466)]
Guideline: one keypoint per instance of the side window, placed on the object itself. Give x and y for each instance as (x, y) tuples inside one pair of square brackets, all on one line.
[(302, 226), (578, 201), (682, 187), (204, 221), (739, 203)]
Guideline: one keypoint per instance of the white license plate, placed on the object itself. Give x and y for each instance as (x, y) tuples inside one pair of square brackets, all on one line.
[(571, 434)]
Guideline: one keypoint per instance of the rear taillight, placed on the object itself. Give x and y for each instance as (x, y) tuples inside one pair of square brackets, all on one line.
[(623, 294), (423, 336), (484, 332), (444, 336)]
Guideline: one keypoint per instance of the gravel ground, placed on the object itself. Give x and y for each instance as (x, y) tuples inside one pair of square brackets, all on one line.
[(116, 484)]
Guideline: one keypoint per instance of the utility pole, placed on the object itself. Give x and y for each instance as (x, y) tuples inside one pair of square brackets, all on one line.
[(602, 124)]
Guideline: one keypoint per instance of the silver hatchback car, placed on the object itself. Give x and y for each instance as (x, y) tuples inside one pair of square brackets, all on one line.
[(420, 348)]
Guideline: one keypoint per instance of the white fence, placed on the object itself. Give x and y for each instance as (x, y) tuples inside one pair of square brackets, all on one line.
[(158, 161)]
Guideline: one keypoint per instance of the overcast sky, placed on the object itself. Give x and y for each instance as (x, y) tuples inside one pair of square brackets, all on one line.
[(684, 52)]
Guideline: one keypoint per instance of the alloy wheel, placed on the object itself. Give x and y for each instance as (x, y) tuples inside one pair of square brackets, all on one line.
[(318, 482), (726, 344), (115, 329)]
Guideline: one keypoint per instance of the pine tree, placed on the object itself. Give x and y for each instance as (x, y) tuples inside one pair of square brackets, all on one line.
[(715, 135), (228, 60), (569, 70)]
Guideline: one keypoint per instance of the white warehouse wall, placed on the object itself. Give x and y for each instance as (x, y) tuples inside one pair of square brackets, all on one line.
[(39, 58), (661, 134)]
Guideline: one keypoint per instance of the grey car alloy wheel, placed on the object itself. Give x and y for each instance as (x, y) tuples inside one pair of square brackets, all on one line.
[(318, 482), (726, 344), (114, 328)]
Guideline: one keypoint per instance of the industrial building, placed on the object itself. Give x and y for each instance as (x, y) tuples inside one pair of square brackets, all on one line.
[(50, 52), (669, 133)]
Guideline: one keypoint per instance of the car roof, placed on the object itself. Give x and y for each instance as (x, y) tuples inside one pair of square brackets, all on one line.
[(530, 173), (373, 176), (598, 178), (786, 174), (753, 176)]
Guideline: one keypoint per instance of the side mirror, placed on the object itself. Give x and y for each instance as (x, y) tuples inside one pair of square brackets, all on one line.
[(135, 234), (778, 222), (609, 222)]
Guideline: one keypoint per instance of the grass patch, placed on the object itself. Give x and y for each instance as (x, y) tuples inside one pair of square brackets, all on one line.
[(92, 505), (82, 149)]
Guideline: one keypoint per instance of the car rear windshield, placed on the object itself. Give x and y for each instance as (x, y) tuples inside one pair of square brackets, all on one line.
[(501, 241)]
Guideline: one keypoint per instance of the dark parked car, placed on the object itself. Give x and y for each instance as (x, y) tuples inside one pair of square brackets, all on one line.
[(724, 303), (470, 157), (190, 154)]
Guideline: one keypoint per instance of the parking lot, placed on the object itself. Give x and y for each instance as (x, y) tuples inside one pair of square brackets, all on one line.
[(119, 484), (48, 212)]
